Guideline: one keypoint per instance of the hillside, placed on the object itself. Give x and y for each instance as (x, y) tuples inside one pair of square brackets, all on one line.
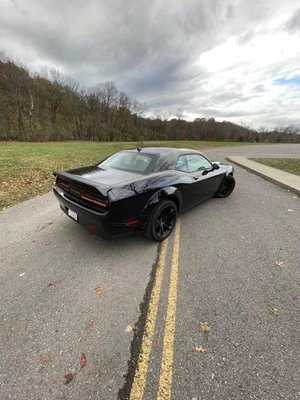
[(50, 106)]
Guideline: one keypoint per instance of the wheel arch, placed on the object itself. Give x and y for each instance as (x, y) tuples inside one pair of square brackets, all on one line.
[(167, 193), (229, 170)]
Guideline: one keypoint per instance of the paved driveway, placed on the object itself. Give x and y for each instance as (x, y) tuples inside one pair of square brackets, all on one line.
[(65, 293)]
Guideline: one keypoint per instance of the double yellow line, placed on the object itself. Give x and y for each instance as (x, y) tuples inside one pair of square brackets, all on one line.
[(165, 381)]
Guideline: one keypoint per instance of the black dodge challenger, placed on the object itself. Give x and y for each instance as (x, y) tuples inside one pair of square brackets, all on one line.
[(141, 189)]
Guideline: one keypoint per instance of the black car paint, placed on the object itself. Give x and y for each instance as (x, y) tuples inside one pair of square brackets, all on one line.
[(132, 196)]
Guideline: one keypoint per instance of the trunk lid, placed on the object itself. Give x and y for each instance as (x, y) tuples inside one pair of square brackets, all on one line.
[(102, 178)]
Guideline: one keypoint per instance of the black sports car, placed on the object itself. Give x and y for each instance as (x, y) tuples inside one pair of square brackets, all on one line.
[(141, 189)]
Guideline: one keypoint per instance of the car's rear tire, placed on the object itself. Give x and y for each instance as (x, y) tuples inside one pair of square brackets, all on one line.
[(227, 187), (162, 221)]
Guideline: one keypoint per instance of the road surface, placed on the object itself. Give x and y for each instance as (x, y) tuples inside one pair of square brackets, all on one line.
[(232, 264)]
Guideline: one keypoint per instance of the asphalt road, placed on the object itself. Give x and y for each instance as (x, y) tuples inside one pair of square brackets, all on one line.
[(220, 268)]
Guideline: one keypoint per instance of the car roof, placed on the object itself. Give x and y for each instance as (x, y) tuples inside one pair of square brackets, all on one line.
[(164, 150)]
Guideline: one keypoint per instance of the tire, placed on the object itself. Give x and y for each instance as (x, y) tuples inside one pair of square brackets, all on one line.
[(162, 221), (227, 187)]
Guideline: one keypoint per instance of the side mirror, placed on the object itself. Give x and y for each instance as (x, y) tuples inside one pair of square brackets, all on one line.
[(215, 166)]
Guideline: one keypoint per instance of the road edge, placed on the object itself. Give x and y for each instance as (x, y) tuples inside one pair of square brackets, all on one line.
[(273, 175)]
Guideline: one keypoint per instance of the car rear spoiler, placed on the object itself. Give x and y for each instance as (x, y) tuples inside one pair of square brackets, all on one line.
[(102, 189)]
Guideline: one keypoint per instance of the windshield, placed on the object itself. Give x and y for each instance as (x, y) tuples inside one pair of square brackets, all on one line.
[(129, 161)]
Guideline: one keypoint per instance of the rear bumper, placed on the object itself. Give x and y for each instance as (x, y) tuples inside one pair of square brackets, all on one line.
[(96, 223)]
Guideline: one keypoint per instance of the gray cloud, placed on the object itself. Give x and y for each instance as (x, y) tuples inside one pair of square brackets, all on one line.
[(246, 37), (293, 24), (150, 49)]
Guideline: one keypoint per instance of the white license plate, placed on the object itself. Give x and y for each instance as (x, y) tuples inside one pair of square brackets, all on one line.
[(72, 214)]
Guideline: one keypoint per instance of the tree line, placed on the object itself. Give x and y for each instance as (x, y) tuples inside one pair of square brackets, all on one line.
[(50, 106)]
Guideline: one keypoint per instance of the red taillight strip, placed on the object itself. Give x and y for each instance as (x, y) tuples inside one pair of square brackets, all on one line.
[(98, 202), (63, 186)]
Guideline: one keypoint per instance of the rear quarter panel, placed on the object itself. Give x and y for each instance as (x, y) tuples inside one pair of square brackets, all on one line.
[(133, 200)]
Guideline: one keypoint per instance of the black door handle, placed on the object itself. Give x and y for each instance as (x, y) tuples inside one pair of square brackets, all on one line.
[(195, 178)]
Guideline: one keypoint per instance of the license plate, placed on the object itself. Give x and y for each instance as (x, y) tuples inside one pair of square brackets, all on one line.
[(72, 214)]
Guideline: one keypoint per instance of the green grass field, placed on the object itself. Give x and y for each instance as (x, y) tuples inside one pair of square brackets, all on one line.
[(291, 165), (26, 168)]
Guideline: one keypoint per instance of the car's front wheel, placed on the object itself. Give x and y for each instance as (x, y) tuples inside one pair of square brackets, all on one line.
[(162, 221)]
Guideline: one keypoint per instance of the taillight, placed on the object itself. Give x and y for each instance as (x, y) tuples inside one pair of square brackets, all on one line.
[(93, 200), (63, 185)]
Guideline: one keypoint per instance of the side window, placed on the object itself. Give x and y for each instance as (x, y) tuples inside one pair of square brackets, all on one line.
[(197, 163), (182, 164)]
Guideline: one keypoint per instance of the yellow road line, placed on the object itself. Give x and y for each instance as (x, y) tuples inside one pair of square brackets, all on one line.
[(165, 380), (138, 386)]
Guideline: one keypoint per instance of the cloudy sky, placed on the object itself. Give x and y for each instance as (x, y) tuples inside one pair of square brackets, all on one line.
[(237, 60)]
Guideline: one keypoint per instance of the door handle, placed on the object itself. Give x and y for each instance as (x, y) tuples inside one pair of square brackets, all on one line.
[(195, 178)]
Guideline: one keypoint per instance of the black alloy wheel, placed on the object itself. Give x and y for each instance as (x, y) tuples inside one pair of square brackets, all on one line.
[(227, 187), (162, 221)]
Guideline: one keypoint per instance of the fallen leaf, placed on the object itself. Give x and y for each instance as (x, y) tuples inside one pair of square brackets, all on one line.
[(98, 290), (68, 378), (22, 273), (290, 210), (200, 349), (45, 357), (92, 321), (83, 360), (51, 286), (128, 328), (204, 327), (274, 311), (279, 263)]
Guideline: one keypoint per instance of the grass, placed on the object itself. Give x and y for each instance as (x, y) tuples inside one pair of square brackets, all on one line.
[(291, 165), (26, 168)]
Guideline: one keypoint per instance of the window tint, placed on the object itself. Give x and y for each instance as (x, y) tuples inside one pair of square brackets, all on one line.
[(129, 161), (182, 164), (165, 162), (196, 162)]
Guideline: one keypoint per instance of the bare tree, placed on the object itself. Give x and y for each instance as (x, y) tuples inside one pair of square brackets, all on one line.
[(138, 108), (107, 94), (179, 114)]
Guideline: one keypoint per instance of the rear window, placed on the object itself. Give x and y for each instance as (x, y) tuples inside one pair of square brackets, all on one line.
[(129, 161)]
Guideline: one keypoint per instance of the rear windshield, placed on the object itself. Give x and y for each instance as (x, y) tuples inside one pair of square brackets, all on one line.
[(129, 161)]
